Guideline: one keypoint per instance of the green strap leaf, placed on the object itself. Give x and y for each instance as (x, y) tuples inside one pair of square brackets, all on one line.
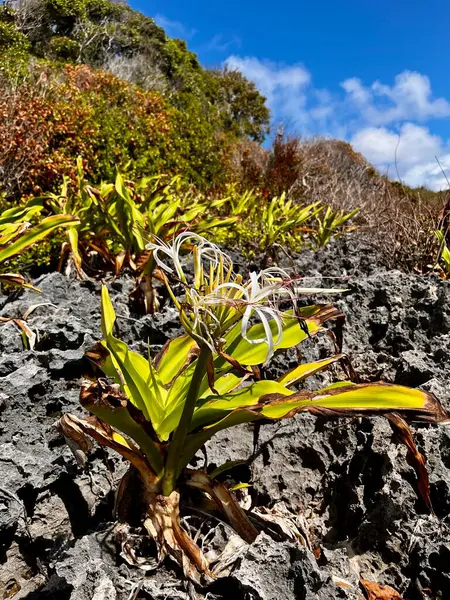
[(349, 401), (306, 370), (120, 418), (108, 313), (173, 357), (143, 387), (35, 234), (177, 397), (214, 408), (357, 400), (247, 353), (338, 384), (142, 383), (17, 280), (18, 214)]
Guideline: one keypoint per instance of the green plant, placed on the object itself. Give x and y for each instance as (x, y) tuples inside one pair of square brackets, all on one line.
[(17, 234), (242, 108), (267, 226), (444, 254), (14, 47), (63, 48), (118, 219), (282, 221), (160, 412), (330, 223)]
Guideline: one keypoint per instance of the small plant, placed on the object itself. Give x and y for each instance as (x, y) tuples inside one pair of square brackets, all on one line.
[(17, 234), (158, 413), (330, 223), (282, 222), (117, 219), (267, 225), (444, 255)]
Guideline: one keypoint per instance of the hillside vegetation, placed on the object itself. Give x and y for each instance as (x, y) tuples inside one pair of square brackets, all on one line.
[(97, 80)]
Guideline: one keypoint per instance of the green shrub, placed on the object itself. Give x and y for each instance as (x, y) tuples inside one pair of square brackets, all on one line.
[(110, 123), (14, 51), (63, 49)]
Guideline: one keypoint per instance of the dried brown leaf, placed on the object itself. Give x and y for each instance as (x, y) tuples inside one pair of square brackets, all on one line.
[(415, 458), (377, 591)]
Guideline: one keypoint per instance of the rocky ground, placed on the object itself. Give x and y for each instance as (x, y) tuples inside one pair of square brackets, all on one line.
[(349, 481)]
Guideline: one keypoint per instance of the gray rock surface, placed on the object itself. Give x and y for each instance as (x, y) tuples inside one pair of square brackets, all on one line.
[(349, 480)]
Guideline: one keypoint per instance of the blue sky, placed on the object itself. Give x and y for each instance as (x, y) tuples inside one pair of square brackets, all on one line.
[(373, 72)]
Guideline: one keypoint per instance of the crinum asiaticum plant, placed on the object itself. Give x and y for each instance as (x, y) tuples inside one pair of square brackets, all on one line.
[(160, 412), (17, 234), (443, 255), (116, 220)]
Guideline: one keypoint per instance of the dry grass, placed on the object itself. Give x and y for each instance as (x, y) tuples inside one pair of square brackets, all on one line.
[(401, 220)]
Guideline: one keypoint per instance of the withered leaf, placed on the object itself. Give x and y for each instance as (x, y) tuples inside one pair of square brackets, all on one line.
[(378, 591), (414, 457)]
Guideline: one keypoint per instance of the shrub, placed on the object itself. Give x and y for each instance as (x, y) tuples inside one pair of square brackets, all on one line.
[(63, 49), (44, 124), (241, 106), (14, 47), (104, 34)]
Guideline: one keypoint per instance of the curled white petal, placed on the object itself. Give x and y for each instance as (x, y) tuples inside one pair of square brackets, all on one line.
[(208, 252), (262, 312)]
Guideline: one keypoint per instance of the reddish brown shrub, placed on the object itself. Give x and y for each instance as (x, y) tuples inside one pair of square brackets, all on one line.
[(46, 124)]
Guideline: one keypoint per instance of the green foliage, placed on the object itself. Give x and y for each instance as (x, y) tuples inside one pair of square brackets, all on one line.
[(279, 223), (96, 32), (330, 223), (14, 47), (10, 37), (17, 234), (184, 121), (63, 49), (116, 220), (183, 68), (282, 220), (62, 9), (242, 108), (444, 254), (110, 123)]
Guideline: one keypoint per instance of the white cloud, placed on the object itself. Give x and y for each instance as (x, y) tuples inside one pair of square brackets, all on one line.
[(409, 98), (356, 91), (412, 144), (409, 154), (220, 43), (386, 123), (284, 86)]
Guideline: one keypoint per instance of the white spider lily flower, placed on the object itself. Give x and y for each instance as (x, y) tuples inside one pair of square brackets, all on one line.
[(217, 298), (277, 274), (162, 251), (254, 300), (263, 312), (317, 290)]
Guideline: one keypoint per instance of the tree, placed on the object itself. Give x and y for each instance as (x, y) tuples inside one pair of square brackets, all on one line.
[(242, 107)]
